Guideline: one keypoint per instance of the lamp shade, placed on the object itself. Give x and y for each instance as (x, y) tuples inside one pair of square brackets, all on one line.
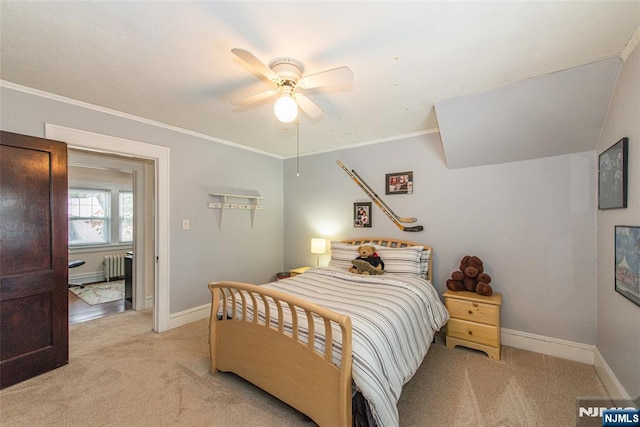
[(286, 109), (318, 246)]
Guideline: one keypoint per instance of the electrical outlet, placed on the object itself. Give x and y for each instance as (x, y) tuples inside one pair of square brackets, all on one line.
[(185, 224)]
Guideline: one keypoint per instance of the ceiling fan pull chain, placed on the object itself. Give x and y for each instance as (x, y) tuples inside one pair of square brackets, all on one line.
[(298, 148)]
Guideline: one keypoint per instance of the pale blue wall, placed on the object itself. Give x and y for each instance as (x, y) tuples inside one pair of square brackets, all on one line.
[(197, 167), (618, 317), (532, 222)]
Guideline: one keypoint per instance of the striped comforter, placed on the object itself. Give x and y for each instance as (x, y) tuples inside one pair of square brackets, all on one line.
[(394, 319)]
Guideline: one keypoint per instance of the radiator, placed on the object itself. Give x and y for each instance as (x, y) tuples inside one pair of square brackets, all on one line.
[(113, 266)]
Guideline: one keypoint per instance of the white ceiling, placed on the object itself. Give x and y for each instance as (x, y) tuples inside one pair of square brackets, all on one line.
[(171, 62)]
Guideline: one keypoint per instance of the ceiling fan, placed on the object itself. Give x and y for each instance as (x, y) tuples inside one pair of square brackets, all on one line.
[(289, 81)]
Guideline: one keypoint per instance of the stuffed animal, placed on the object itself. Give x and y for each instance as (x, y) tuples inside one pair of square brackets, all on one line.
[(470, 277), (368, 262)]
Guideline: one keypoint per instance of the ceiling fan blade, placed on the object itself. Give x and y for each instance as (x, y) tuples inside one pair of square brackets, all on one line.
[(336, 76), (308, 106), (255, 98), (256, 64)]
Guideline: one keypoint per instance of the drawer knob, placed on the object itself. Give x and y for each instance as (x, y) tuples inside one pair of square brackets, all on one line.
[(470, 312), (470, 332), (475, 304)]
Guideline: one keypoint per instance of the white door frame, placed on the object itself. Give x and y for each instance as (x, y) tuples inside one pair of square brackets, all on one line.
[(160, 155)]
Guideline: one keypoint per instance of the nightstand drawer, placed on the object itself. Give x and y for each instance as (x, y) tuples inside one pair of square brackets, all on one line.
[(475, 332), (473, 311)]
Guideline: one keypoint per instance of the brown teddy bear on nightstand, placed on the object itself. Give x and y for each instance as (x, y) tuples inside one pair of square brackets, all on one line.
[(368, 262), (470, 277)]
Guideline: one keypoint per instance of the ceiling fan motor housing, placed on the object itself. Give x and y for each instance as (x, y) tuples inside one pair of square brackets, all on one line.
[(288, 70)]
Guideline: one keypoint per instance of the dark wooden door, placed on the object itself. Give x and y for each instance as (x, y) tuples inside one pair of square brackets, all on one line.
[(34, 325)]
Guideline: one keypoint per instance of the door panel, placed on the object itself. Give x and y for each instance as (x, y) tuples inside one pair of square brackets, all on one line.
[(33, 257), (26, 222)]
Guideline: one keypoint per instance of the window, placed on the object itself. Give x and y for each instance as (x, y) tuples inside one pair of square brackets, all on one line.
[(88, 216), (126, 216)]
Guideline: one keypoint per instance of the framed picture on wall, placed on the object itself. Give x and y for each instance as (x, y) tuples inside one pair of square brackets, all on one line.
[(612, 176), (362, 214), (627, 259), (399, 183)]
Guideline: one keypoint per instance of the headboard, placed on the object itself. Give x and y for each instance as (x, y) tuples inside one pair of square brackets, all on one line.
[(392, 243)]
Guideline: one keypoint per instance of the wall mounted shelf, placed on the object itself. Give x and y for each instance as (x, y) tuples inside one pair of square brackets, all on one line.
[(228, 201)]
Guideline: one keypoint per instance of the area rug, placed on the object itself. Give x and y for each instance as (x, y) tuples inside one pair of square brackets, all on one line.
[(100, 293)]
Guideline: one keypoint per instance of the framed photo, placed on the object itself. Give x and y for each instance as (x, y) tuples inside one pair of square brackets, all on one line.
[(627, 253), (362, 214), (612, 176), (399, 183)]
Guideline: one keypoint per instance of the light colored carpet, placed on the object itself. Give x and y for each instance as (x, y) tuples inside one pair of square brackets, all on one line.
[(122, 374), (99, 293)]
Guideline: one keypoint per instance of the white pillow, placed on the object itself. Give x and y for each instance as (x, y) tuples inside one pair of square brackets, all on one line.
[(342, 254), (401, 260), (408, 260), (424, 262)]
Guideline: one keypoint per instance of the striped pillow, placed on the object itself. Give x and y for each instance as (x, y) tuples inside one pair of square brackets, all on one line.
[(408, 260), (342, 254), (402, 260), (425, 255)]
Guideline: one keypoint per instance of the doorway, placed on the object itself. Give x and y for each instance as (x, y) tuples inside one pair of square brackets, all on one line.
[(110, 208), (158, 158)]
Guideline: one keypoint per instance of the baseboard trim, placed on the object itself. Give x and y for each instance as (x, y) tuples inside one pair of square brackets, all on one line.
[(615, 389), (550, 346), (189, 316)]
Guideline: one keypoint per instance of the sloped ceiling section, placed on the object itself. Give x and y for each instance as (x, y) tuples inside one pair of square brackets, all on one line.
[(551, 115)]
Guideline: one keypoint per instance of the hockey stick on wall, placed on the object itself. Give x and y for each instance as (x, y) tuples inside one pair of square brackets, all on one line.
[(377, 201), (399, 218)]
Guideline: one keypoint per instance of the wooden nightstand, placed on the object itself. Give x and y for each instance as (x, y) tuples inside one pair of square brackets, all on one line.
[(474, 322), (299, 270)]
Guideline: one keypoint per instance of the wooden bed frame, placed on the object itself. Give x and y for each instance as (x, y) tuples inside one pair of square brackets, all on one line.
[(277, 361)]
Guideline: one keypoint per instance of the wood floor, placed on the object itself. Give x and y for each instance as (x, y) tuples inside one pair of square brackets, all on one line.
[(80, 311)]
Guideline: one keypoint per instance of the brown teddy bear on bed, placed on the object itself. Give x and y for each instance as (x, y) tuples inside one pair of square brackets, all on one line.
[(368, 262), (470, 277)]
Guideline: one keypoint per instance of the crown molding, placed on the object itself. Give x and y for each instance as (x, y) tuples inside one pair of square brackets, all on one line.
[(116, 113)]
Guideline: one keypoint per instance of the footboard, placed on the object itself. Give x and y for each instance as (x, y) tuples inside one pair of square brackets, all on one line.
[(284, 345)]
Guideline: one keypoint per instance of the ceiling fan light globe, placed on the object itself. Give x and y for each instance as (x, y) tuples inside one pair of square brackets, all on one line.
[(286, 109)]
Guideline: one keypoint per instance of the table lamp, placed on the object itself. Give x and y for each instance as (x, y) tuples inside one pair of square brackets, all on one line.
[(318, 246)]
